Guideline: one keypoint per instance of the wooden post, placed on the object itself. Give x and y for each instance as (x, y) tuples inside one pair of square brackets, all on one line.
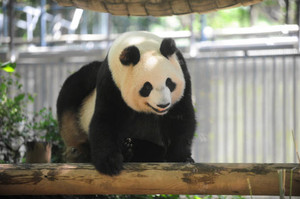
[(38, 152), (148, 178)]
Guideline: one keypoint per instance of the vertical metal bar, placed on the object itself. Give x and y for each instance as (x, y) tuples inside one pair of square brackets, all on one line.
[(225, 110), (28, 78), (99, 24), (254, 132), (264, 129), (43, 24), (192, 37), (196, 68), (274, 112), (4, 9), (192, 50), (207, 129), (95, 26), (11, 9), (203, 25), (287, 5), (51, 95), (203, 114), (284, 96), (235, 102), (104, 23), (298, 21), (109, 30), (216, 145), (245, 110), (25, 77), (28, 28), (35, 86), (194, 74), (295, 105), (43, 88), (83, 25)]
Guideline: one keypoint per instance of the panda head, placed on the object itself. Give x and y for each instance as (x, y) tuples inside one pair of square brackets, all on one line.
[(146, 70)]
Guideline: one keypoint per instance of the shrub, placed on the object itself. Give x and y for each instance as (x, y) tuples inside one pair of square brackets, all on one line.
[(17, 126)]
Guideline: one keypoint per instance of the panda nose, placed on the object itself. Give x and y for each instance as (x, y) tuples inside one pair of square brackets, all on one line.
[(163, 105)]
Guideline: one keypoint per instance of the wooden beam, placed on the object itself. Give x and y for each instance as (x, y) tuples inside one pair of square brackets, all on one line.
[(148, 178)]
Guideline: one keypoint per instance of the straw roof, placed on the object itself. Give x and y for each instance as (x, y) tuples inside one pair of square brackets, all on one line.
[(155, 7)]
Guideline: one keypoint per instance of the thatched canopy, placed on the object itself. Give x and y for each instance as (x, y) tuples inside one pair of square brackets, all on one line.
[(155, 7)]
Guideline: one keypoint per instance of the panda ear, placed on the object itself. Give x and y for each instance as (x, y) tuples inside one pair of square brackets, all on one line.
[(168, 47), (130, 55)]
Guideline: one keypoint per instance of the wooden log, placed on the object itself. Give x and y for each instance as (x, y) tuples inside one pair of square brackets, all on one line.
[(148, 178)]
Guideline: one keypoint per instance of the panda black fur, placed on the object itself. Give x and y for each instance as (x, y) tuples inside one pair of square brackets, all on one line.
[(142, 106)]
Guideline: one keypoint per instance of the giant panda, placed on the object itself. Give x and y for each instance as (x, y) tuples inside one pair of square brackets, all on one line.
[(135, 106)]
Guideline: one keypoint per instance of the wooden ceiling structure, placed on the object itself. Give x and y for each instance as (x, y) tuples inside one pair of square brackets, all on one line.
[(155, 8)]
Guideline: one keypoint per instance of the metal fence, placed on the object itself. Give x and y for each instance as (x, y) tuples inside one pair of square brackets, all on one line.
[(246, 107)]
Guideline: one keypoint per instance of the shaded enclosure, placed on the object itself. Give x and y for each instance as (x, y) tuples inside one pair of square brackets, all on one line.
[(246, 103)]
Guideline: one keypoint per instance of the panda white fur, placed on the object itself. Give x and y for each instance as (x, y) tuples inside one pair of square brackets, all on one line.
[(134, 106)]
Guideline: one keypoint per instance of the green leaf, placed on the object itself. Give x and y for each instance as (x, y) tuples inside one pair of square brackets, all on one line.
[(2, 87), (19, 97), (31, 98), (8, 67)]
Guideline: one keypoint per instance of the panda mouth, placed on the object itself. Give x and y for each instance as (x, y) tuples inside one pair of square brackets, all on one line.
[(158, 111)]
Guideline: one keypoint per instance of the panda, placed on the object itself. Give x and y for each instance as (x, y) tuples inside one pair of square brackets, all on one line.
[(135, 106)]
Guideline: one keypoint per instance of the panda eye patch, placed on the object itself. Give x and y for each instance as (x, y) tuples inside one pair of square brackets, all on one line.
[(146, 89), (170, 84)]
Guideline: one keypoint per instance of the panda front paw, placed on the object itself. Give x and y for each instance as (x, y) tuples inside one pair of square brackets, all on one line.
[(110, 165)]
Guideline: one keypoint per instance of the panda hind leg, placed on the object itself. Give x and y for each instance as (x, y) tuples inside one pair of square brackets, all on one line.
[(75, 140), (78, 154)]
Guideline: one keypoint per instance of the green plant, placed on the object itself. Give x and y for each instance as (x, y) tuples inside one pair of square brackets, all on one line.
[(281, 175), (13, 127), (44, 124), (17, 126), (8, 67)]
